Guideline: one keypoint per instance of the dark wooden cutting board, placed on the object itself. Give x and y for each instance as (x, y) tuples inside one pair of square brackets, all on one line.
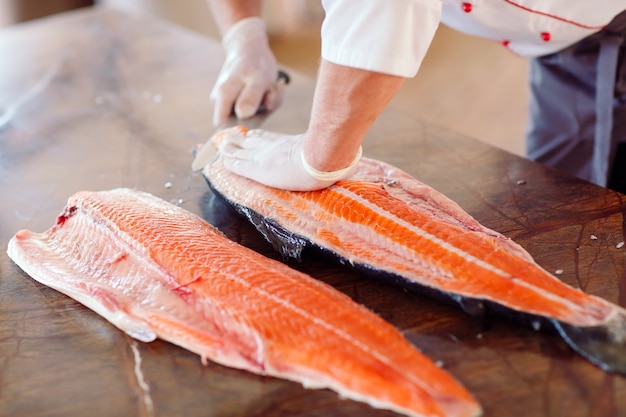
[(120, 101)]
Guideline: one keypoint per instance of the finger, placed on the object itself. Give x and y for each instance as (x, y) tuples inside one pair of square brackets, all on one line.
[(236, 166), (221, 113), (247, 142), (224, 96), (248, 139), (222, 137), (274, 96), (240, 137), (233, 152), (249, 100), (242, 162)]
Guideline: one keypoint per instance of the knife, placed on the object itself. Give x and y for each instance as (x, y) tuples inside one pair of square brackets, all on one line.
[(208, 152)]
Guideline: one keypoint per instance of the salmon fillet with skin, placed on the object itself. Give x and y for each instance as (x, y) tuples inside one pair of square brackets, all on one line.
[(387, 223), (155, 270)]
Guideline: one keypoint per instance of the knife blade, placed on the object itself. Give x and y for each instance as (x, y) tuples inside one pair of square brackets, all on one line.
[(209, 151)]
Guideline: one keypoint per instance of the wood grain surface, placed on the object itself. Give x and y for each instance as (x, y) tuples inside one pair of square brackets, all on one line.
[(95, 99)]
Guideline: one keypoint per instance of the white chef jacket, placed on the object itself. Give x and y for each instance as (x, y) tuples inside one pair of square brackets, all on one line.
[(392, 36)]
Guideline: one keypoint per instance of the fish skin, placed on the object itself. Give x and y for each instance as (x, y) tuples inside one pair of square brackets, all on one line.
[(384, 222), (155, 270)]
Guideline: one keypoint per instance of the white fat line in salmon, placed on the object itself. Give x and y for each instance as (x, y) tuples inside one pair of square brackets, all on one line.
[(94, 213), (451, 248), (340, 333)]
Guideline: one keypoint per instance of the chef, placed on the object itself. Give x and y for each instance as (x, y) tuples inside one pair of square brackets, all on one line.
[(577, 81)]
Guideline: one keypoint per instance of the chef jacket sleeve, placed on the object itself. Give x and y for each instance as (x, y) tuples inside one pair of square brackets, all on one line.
[(388, 36)]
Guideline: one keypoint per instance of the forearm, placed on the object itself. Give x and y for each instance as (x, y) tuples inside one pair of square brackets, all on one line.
[(347, 101), (228, 12)]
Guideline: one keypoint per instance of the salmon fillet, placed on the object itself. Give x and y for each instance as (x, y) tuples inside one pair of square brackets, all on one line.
[(155, 270), (388, 224)]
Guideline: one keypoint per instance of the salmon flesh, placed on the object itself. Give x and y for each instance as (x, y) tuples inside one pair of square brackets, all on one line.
[(386, 223), (156, 270)]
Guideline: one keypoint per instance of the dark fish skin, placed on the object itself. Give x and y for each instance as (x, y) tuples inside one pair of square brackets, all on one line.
[(603, 345)]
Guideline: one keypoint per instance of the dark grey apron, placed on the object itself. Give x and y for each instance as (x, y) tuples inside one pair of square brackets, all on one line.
[(578, 105)]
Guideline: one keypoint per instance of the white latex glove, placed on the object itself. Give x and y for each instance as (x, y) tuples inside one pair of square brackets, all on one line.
[(274, 159), (248, 76)]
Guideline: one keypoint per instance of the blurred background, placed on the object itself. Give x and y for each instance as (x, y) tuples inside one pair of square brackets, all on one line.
[(469, 85)]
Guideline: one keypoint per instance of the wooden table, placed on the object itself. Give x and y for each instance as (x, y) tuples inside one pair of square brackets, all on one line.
[(95, 99)]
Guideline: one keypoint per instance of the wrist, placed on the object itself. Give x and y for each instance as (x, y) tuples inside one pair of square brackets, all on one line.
[(250, 29), (331, 146), (331, 176)]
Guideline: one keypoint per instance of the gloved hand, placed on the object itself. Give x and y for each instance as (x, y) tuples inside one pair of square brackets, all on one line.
[(248, 76), (274, 159)]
